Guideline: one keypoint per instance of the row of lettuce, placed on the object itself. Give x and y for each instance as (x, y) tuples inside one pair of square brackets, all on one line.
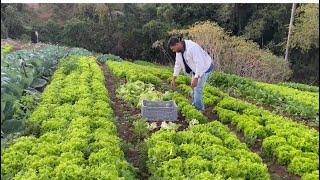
[(289, 143), (301, 87), (24, 73), (282, 99), (284, 140), (72, 131), (298, 100), (207, 151), (151, 75), (75, 136), (5, 49), (304, 105)]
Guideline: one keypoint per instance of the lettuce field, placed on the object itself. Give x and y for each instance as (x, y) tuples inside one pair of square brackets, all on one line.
[(67, 113)]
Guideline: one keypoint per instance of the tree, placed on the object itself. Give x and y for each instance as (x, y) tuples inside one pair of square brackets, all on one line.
[(50, 31), (306, 29), (234, 17), (166, 12), (153, 31), (304, 44), (14, 21), (267, 26), (4, 30), (290, 30), (77, 33)]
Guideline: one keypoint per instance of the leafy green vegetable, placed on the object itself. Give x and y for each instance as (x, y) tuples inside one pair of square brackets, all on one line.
[(301, 104), (5, 49), (301, 87), (202, 151), (75, 128), (24, 70)]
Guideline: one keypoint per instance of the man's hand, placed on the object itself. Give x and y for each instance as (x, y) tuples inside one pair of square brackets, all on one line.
[(194, 82), (173, 84)]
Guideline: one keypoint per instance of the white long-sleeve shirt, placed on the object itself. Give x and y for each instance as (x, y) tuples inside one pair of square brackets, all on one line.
[(197, 59)]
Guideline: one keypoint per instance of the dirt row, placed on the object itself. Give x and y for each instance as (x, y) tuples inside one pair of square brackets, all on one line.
[(125, 115), (17, 45)]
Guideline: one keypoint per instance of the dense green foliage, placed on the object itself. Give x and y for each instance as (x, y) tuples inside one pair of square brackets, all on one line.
[(284, 140), (301, 104), (207, 151), (304, 53), (301, 87), (70, 132), (5, 49), (133, 72), (73, 133), (109, 28), (292, 144), (73, 130), (25, 71)]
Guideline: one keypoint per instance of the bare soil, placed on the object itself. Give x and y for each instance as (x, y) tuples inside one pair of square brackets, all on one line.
[(17, 45)]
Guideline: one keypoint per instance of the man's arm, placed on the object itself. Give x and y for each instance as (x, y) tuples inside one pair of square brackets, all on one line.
[(176, 71), (177, 67)]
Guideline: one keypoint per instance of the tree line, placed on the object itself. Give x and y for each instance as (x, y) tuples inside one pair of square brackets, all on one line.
[(140, 31)]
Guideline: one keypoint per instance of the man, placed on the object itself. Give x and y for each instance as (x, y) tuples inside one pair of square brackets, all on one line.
[(34, 37), (193, 60)]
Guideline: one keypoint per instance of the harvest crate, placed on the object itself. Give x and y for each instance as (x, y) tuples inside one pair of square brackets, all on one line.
[(163, 110)]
